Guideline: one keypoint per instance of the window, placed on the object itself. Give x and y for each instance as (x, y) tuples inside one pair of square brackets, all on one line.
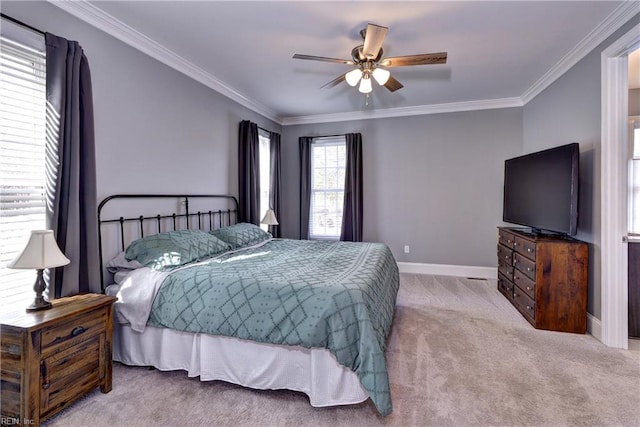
[(22, 154), (328, 162), (264, 156), (634, 178)]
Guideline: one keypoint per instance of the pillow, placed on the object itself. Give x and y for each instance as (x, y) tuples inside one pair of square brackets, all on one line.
[(170, 249), (242, 235), (119, 262)]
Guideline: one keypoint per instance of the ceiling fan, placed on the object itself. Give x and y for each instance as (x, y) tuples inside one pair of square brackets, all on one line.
[(369, 63)]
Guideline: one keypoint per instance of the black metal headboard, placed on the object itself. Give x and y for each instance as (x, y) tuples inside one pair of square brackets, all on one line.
[(221, 210)]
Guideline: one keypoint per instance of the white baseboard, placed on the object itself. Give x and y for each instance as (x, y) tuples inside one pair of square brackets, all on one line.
[(449, 270), (594, 326)]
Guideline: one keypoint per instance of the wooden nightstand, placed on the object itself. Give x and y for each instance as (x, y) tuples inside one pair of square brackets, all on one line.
[(50, 358)]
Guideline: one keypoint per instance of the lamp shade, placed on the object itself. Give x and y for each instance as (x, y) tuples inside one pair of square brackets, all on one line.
[(41, 252), (269, 218), (353, 76), (365, 84), (381, 75)]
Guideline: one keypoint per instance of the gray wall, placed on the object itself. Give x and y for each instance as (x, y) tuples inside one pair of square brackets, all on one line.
[(433, 182), (569, 110), (157, 130)]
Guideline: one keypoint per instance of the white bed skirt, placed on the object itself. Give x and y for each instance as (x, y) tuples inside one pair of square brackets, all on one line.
[(314, 372)]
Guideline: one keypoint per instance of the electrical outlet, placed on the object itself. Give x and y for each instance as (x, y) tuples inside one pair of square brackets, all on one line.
[(407, 249)]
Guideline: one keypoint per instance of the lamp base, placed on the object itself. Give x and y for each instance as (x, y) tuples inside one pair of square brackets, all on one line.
[(39, 303)]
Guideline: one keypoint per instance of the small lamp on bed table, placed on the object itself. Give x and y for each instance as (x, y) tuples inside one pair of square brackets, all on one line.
[(41, 252), (269, 218)]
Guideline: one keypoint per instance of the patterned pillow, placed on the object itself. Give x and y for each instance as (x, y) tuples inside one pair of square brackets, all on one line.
[(242, 235), (167, 250)]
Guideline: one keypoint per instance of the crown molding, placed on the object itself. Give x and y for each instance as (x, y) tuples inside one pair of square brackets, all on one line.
[(418, 110), (98, 18), (613, 22)]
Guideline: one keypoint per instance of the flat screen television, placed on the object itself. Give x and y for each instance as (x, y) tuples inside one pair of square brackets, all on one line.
[(541, 190)]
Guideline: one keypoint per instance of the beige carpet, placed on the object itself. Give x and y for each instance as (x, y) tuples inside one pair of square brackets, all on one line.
[(459, 355)]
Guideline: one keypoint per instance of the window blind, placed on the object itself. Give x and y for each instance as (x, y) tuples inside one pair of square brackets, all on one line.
[(22, 160), (328, 165)]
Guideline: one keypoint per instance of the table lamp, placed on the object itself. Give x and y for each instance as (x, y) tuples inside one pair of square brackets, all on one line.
[(269, 218), (41, 252)]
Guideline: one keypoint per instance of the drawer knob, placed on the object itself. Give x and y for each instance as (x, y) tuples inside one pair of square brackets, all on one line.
[(529, 269), (77, 331), (529, 288), (529, 307), (515, 243), (529, 250)]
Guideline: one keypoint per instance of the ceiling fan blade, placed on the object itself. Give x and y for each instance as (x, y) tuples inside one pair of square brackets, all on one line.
[(334, 82), (422, 59), (393, 85), (373, 39), (323, 58)]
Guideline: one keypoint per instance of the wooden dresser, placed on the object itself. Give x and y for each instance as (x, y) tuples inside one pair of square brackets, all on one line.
[(50, 358), (545, 278)]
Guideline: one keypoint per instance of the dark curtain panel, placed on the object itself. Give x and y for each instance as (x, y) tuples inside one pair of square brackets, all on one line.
[(248, 173), (274, 181), (352, 210), (305, 184), (71, 167)]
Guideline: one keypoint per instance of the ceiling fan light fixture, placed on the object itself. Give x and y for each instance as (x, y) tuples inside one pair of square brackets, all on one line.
[(381, 76), (365, 84), (353, 77)]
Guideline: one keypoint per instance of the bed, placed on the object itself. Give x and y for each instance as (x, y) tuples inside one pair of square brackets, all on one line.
[(225, 301)]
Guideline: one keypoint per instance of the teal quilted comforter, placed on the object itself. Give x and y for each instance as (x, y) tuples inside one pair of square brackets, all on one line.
[(334, 295)]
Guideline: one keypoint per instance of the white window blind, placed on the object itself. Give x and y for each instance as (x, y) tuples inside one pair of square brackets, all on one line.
[(22, 159), (328, 163), (264, 156)]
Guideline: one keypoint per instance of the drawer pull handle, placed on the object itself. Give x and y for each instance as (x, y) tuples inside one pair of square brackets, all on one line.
[(515, 243), (529, 307), (529, 288), (14, 350), (529, 250), (46, 386), (77, 331), (529, 269)]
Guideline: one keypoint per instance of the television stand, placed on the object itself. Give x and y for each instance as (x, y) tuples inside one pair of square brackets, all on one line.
[(545, 278)]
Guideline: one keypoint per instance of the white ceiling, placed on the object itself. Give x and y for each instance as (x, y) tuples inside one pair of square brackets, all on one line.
[(500, 53)]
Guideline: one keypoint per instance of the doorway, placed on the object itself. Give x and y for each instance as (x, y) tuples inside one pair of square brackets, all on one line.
[(614, 247)]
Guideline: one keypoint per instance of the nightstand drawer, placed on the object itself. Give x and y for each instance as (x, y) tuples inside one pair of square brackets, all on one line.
[(74, 331), (69, 373)]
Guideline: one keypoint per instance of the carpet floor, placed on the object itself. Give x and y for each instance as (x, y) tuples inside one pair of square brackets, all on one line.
[(459, 355)]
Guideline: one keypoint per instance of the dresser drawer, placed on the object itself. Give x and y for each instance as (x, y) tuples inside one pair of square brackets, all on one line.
[(525, 247), (505, 268), (524, 304), (505, 238), (505, 254), (74, 331), (525, 265), (525, 283), (505, 287)]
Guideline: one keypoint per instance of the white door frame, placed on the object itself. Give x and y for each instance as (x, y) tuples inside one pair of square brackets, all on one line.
[(614, 190)]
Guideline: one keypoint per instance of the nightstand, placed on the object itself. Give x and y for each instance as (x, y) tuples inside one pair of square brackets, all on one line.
[(50, 358)]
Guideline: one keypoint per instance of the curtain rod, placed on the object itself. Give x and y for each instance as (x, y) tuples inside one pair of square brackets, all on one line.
[(15, 21)]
